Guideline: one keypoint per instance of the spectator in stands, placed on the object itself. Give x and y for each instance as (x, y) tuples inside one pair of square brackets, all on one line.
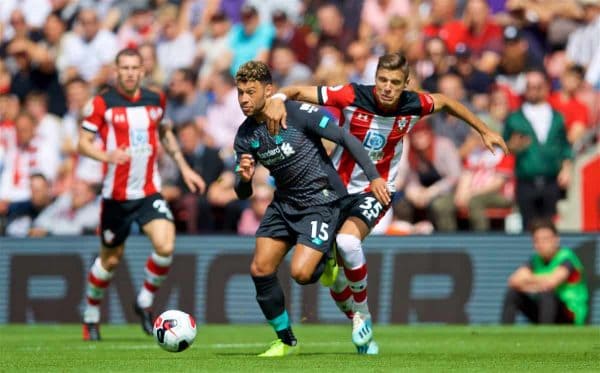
[(565, 101), (78, 94), (48, 127), (515, 61), (362, 65), (435, 64), (485, 182), (250, 39), (450, 127), (332, 30), (476, 82), (176, 46), (286, 69), (185, 103), (90, 53), (35, 71), (9, 109), (153, 76), (536, 135), (20, 215), (73, 213), (550, 288), (18, 27), (138, 29), (288, 33), (222, 197), (442, 12), (206, 162), (252, 215), (223, 115), (434, 170), (213, 50), (398, 37), (583, 47), (478, 31), (29, 156), (376, 15)]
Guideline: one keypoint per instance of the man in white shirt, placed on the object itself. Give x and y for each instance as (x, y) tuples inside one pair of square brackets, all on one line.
[(73, 213), (90, 53)]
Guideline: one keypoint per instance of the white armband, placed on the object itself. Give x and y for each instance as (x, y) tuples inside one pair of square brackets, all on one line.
[(280, 96)]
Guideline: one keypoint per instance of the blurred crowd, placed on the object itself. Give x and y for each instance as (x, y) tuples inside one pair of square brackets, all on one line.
[(512, 62)]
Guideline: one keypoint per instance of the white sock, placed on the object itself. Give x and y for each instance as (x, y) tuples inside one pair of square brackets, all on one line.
[(91, 314)]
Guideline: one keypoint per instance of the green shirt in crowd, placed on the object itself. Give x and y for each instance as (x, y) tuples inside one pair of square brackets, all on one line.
[(539, 159)]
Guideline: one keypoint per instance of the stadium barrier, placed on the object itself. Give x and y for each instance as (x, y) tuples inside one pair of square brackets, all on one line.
[(428, 279)]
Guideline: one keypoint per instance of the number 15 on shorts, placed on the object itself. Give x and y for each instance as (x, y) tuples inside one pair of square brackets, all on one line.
[(319, 235)]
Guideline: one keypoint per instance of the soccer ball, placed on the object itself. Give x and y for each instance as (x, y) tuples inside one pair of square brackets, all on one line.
[(174, 330)]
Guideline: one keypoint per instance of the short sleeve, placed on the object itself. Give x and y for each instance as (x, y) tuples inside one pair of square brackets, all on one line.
[(426, 102), (338, 96), (93, 114)]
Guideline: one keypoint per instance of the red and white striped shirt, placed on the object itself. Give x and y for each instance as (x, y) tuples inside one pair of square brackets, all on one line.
[(381, 132), (130, 123)]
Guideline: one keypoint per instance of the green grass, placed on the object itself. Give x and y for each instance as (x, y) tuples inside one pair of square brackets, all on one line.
[(231, 348)]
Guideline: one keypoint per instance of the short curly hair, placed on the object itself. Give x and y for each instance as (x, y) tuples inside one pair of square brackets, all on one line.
[(254, 71)]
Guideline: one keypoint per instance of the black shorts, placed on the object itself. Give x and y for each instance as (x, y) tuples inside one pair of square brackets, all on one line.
[(116, 217), (365, 207), (313, 226)]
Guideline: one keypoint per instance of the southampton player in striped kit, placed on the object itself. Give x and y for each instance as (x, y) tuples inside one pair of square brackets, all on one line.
[(379, 116), (128, 118)]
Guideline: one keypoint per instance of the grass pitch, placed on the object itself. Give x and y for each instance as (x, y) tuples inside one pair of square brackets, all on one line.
[(233, 348)]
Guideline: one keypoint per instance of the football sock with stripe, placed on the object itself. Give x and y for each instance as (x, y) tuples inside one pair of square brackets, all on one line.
[(271, 300)]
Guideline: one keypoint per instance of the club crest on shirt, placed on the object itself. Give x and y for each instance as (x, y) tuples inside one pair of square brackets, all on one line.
[(401, 123)]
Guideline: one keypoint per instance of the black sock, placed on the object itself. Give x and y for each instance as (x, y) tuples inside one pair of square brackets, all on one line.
[(269, 295), (287, 336)]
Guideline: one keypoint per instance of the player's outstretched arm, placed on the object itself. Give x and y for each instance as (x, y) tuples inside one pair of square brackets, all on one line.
[(193, 181), (326, 128), (244, 171), (87, 148), (455, 108), (275, 111)]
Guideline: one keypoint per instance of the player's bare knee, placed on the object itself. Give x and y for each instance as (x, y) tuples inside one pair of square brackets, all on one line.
[(300, 274), (164, 248), (259, 269), (111, 262), (302, 278)]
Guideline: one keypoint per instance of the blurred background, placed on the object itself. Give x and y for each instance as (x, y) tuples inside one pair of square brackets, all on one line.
[(494, 56), (56, 54)]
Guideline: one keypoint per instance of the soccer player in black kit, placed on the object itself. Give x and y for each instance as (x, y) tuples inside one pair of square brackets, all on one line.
[(309, 197)]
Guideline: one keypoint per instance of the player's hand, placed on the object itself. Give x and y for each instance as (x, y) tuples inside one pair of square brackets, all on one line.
[(380, 190), (491, 139), (193, 181), (246, 167), (564, 177), (118, 156), (276, 115), (518, 142)]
